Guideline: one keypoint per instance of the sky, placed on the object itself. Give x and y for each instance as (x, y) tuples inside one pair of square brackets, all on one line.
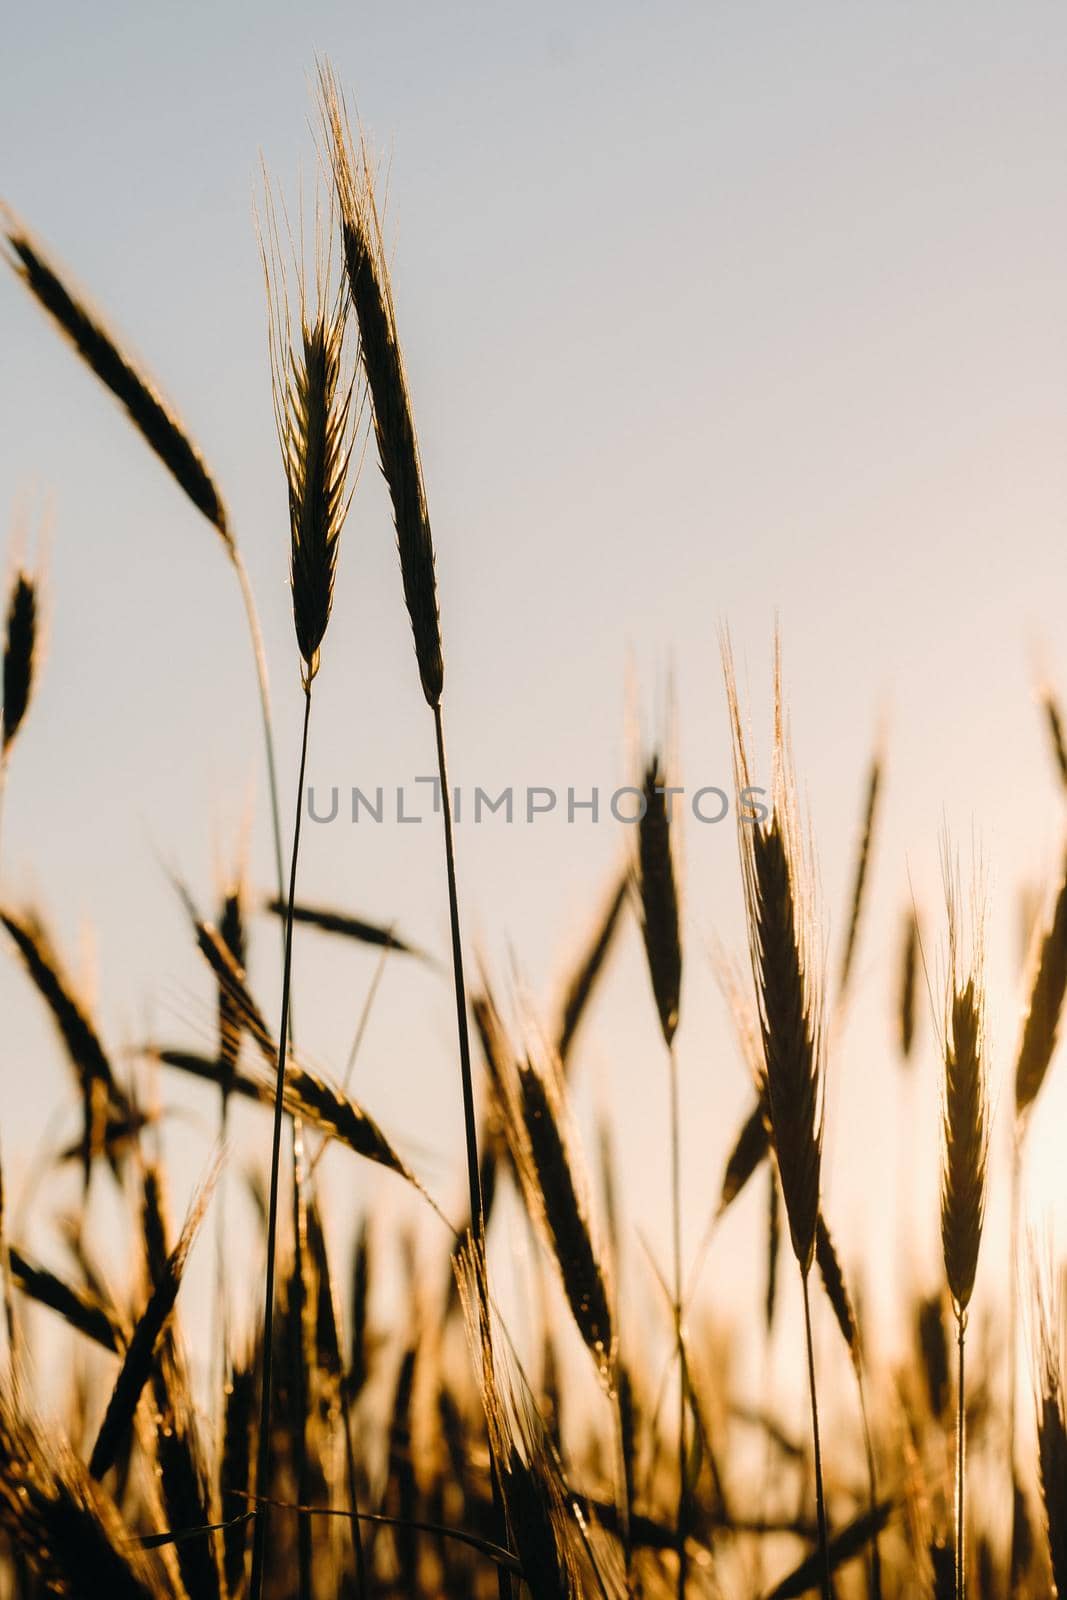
[(715, 315)]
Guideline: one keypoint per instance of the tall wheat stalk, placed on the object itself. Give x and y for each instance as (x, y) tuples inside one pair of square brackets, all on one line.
[(313, 402), (657, 889), (371, 298), (789, 989), (964, 1161)]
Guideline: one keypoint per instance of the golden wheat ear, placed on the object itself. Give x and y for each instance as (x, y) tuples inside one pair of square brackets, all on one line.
[(965, 1100), (315, 410), (657, 890), (787, 973), (148, 411), (371, 295), (1045, 1008)]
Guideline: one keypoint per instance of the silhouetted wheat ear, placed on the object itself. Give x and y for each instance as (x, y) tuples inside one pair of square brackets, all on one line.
[(61, 1522), (787, 979), (1043, 1014), (99, 350), (965, 1117), (1054, 720), (861, 871), (20, 656), (657, 890), (556, 1189), (908, 983), (383, 364), (315, 417)]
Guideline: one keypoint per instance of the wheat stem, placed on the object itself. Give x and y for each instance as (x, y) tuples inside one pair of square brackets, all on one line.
[(263, 1468), (961, 1445), (676, 1229), (820, 1500), (470, 1124)]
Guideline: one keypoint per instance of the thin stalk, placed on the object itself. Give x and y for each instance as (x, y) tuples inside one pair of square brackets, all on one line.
[(259, 1543), (961, 1448), (875, 1573), (470, 1124), (820, 1501), (1013, 1335), (298, 1314), (263, 684), (622, 1479), (683, 1385)]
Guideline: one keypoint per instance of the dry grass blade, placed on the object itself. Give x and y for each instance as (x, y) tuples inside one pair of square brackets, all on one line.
[(155, 421), (20, 657), (657, 890), (140, 1353), (81, 1308), (583, 980), (394, 427), (348, 927), (1046, 1005), (62, 1523), (861, 873), (785, 971)]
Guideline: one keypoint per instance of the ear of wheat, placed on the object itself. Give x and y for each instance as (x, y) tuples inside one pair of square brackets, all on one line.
[(657, 889), (20, 657), (100, 351), (394, 426), (1048, 987), (315, 413), (781, 935)]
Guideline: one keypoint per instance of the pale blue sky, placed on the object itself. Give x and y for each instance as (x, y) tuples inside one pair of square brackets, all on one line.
[(712, 313)]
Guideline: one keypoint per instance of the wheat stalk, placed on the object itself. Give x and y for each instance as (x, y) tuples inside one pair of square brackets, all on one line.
[(964, 1159), (789, 996)]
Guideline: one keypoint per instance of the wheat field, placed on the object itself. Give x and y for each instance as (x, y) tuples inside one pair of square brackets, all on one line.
[(345, 1419)]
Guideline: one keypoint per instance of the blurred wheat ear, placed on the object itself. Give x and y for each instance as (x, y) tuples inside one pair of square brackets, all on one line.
[(789, 987), (965, 1152)]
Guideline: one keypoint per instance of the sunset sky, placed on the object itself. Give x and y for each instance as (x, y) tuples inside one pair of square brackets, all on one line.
[(713, 314)]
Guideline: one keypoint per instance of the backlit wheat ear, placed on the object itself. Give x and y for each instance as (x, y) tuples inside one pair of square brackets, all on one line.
[(149, 413), (781, 936), (1054, 723), (383, 363), (315, 416), (556, 1190), (20, 657), (62, 1523), (657, 889), (788, 982), (908, 983), (861, 871), (965, 1115), (1045, 1008)]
